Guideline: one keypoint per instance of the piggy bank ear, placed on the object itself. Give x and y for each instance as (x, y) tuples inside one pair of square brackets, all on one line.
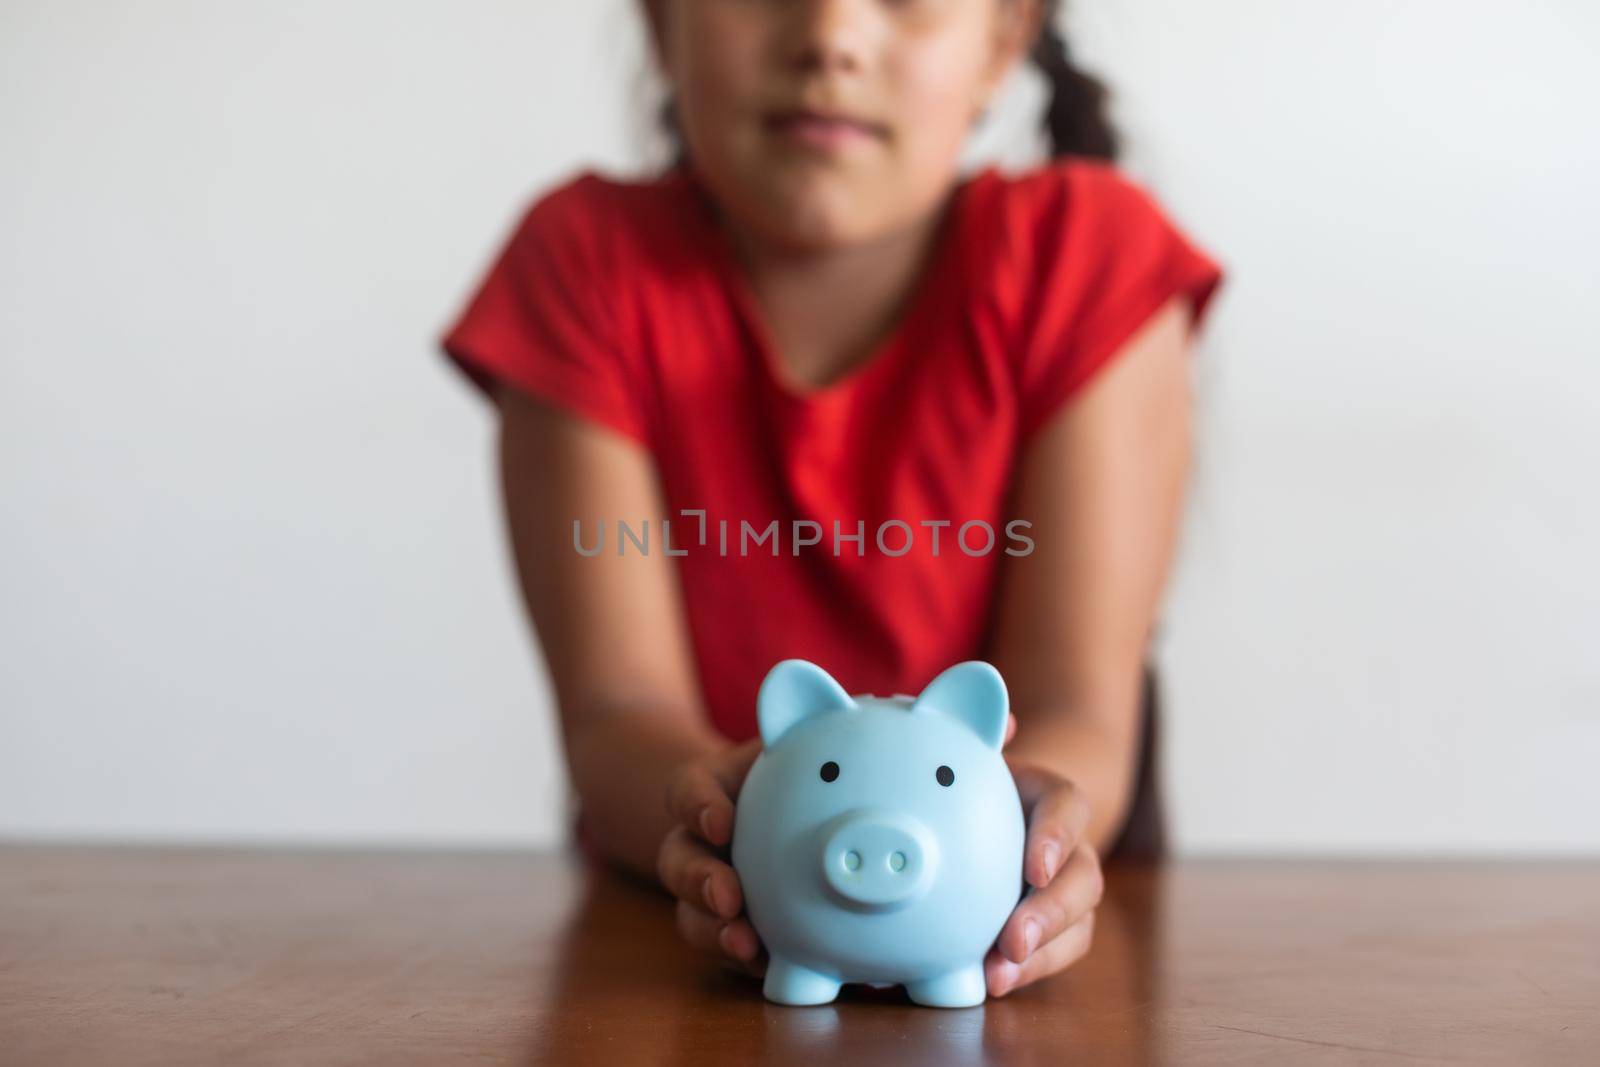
[(793, 690), (973, 692)]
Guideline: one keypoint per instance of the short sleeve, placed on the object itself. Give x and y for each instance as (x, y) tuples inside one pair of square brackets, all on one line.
[(1106, 258), (545, 317)]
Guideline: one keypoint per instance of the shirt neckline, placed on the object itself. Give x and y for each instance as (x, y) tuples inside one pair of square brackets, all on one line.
[(943, 260)]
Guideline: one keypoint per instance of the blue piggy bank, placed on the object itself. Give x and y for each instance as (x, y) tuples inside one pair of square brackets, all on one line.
[(879, 839)]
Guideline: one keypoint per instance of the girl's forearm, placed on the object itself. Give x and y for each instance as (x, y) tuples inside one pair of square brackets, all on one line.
[(1098, 758), (620, 764)]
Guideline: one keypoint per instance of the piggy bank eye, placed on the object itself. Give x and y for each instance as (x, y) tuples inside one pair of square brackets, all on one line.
[(945, 775), (830, 771)]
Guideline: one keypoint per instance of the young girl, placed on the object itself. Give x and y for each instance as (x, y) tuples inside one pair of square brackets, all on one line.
[(814, 320)]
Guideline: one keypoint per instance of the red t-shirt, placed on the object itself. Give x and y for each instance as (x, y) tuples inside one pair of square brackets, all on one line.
[(623, 303)]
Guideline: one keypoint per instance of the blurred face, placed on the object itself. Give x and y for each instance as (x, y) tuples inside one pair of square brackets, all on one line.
[(818, 124)]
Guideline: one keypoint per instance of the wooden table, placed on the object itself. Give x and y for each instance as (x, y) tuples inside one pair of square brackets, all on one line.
[(178, 956)]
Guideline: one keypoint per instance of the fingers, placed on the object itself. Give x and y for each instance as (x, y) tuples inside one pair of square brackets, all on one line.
[(733, 939), (1003, 976), (693, 873), (709, 900), (732, 765), (1011, 728), (701, 795), (1058, 815), (1045, 915), (690, 862)]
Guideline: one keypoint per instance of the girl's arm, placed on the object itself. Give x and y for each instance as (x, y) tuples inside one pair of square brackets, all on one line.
[(611, 628), (1102, 482), (1103, 485)]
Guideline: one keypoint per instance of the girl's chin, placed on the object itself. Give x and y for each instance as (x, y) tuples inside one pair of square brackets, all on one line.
[(804, 207), (814, 234)]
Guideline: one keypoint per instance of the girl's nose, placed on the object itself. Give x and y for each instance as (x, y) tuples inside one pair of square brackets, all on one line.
[(830, 35)]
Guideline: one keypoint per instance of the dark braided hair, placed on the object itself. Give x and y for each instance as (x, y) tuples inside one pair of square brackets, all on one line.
[(1076, 119)]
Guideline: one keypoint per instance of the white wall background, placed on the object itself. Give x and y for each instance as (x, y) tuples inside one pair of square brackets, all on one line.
[(252, 582)]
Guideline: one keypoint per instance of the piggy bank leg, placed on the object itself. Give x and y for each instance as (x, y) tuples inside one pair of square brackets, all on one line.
[(790, 983), (958, 989)]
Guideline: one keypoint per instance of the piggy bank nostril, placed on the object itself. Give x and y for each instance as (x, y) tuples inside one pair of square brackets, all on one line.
[(852, 860), (897, 862)]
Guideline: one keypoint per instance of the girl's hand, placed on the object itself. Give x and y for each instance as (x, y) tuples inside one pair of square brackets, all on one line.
[(1052, 925), (693, 861)]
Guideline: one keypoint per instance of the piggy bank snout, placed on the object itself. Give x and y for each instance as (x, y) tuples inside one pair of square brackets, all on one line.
[(878, 859)]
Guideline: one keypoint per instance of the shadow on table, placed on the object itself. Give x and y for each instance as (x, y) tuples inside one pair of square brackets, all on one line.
[(625, 990)]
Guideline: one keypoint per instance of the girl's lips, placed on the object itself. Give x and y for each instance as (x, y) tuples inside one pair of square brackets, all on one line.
[(825, 132)]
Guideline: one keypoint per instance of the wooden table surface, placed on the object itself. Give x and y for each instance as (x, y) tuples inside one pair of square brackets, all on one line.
[(178, 956)]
